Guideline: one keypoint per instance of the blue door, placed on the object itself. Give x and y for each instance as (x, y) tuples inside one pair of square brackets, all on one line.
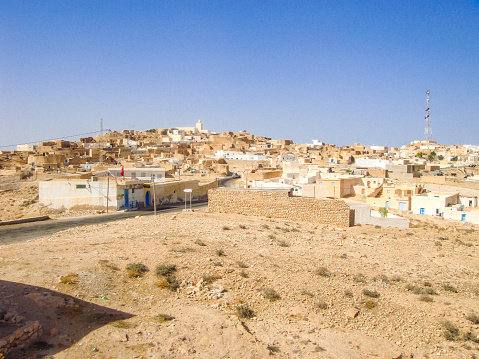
[(387, 204), (127, 200), (422, 211), (402, 206), (147, 198), (463, 217)]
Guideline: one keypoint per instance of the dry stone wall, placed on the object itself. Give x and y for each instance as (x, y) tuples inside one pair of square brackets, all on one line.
[(279, 205)]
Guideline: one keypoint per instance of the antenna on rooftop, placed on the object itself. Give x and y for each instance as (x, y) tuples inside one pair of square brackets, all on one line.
[(100, 144), (428, 129)]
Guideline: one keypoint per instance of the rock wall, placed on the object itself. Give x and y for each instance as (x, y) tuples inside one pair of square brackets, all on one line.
[(21, 337), (279, 205)]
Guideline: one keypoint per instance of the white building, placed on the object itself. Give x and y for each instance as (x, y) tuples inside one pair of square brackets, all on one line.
[(433, 204), (155, 174)]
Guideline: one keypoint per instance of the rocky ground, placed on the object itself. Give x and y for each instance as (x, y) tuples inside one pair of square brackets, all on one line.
[(361, 292)]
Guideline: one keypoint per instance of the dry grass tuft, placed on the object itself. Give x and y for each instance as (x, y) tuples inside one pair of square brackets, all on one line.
[(71, 278), (136, 270)]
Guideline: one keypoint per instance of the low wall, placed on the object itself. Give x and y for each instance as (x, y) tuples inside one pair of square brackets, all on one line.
[(362, 213), (23, 336), (279, 205)]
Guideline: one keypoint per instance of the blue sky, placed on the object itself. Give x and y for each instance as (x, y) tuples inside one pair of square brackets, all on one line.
[(337, 71)]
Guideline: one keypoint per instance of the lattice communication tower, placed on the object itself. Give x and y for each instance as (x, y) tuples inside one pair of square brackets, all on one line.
[(428, 130)]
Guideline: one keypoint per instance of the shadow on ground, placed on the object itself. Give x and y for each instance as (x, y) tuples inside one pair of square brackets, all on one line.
[(64, 319)]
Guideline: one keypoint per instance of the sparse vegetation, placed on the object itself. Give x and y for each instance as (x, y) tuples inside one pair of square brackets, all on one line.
[(244, 311), (226, 228), (307, 292), (243, 274), (322, 305), (71, 278), (451, 332), (283, 243), (383, 211), (450, 288), (241, 264), (396, 278), (164, 318), (136, 270), (371, 293), (273, 349), (323, 272), (472, 317), (271, 294), (242, 226), (265, 226), (165, 269), (208, 279), (370, 304), (426, 298), (218, 264), (271, 236), (348, 293), (220, 253), (360, 278), (200, 243)]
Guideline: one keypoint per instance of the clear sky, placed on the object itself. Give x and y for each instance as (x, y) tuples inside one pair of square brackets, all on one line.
[(337, 71)]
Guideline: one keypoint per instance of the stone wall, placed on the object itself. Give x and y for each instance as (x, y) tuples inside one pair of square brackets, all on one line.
[(21, 337), (279, 205)]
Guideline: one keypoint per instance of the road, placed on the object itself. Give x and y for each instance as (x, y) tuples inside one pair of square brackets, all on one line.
[(22, 232)]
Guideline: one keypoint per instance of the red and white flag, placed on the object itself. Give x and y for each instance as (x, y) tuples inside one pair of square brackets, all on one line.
[(122, 172)]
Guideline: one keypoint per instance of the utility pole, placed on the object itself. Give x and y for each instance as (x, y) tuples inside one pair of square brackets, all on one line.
[(100, 142), (154, 193), (428, 129)]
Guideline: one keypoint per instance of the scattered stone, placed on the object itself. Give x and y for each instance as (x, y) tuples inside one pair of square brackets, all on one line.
[(352, 312)]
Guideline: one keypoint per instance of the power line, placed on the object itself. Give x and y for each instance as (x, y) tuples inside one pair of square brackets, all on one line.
[(52, 139)]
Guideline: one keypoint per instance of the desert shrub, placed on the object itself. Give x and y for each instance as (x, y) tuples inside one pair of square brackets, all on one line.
[(265, 226), (322, 304), (360, 278), (415, 289), (244, 311), (430, 291), (450, 288), (323, 272), (348, 293), (208, 279), (384, 278), (426, 298), (220, 253), (241, 264), (377, 227), (271, 294), (443, 238), (472, 317), (218, 264), (427, 284), (71, 278), (282, 243), (243, 274), (135, 270), (165, 269), (370, 304), (371, 293), (273, 349), (271, 236), (173, 283), (242, 226), (164, 317), (307, 292), (396, 278), (294, 229), (471, 337), (200, 243), (226, 228), (451, 332)]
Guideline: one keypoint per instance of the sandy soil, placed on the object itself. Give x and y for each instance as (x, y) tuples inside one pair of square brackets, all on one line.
[(315, 292)]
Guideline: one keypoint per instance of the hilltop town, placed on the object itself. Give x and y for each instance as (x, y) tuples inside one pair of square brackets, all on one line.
[(303, 251)]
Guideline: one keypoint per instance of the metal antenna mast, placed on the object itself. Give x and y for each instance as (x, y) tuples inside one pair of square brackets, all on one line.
[(101, 144), (428, 130)]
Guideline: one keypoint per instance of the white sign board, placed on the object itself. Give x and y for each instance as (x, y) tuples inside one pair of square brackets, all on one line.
[(188, 190)]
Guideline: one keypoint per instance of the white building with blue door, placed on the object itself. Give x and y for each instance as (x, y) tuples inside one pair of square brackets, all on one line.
[(433, 204)]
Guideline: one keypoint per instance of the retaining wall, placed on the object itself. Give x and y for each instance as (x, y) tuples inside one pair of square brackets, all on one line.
[(279, 205)]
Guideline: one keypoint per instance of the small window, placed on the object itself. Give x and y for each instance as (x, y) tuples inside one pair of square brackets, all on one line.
[(133, 175), (143, 174), (332, 183), (80, 186)]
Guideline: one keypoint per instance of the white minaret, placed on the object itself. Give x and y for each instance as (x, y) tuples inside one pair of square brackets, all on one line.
[(199, 126)]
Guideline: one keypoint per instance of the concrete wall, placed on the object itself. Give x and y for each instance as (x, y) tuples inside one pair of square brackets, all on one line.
[(280, 205), (363, 215), (173, 192)]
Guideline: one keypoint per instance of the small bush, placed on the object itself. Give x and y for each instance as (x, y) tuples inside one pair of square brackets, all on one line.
[(443, 238), (323, 272), (265, 226), (165, 269), (271, 294), (173, 283), (471, 337), (414, 289), (241, 264), (371, 293), (135, 270), (273, 349), (348, 293), (451, 332), (426, 298), (370, 304), (294, 230), (473, 318), (218, 264), (200, 243), (208, 279), (220, 253), (243, 274), (377, 227), (306, 292), (396, 278), (164, 318), (450, 288), (226, 228), (271, 236), (360, 278), (282, 243), (384, 278), (322, 305), (427, 284), (242, 226), (383, 211), (71, 278), (430, 291), (244, 311)]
